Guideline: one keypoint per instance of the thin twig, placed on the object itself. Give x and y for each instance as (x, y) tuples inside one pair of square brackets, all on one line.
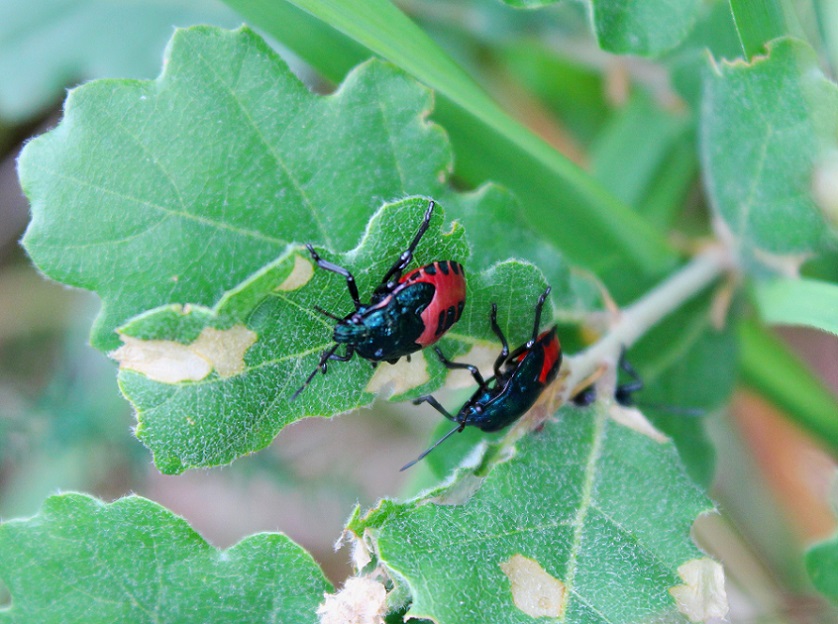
[(638, 318)]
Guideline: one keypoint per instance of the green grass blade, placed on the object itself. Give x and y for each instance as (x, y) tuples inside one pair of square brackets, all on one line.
[(757, 23), (811, 303), (567, 203), (769, 367)]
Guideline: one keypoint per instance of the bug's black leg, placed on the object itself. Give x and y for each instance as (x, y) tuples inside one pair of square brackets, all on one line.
[(538, 308), (428, 398), (460, 365), (504, 352), (585, 397), (342, 358), (432, 447), (624, 391), (328, 354), (334, 268), (395, 271)]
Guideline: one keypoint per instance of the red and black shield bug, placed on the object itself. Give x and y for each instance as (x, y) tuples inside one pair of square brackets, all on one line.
[(406, 313), (518, 381)]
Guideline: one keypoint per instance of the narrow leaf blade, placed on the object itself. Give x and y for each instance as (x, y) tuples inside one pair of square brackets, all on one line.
[(803, 302)]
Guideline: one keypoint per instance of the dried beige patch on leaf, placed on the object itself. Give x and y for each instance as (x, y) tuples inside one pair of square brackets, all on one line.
[(702, 595), (481, 356), (534, 591), (390, 379), (300, 275), (166, 361), (361, 601), (633, 418)]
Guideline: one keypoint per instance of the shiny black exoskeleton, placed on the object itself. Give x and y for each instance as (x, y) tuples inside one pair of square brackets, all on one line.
[(519, 379), (405, 314), (624, 392)]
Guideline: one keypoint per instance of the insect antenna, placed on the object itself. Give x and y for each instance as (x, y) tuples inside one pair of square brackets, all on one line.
[(672, 409), (432, 447), (334, 317)]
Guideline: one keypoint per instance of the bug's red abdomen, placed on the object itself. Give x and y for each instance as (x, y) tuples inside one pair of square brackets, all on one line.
[(549, 342), (445, 309)]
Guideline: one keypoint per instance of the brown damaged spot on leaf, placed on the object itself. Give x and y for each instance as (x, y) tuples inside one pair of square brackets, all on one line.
[(361, 601), (398, 378), (300, 275), (166, 361), (534, 591), (702, 595)]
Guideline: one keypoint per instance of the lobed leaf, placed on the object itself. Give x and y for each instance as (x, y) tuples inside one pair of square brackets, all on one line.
[(765, 127), (47, 44), (212, 176), (81, 560), (642, 28), (176, 190), (253, 350), (564, 202), (586, 520)]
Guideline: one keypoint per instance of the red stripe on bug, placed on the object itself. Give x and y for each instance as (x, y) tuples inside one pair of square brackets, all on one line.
[(552, 356), (446, 307)]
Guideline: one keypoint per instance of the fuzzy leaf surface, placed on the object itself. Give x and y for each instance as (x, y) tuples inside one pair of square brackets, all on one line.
[(46, 45), (192, 227), (642, 28), (176, 190), (82, 560), (766, 128), (215, 418), (604, 510)]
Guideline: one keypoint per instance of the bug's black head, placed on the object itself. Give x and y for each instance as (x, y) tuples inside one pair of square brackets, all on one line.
[(349, 331)]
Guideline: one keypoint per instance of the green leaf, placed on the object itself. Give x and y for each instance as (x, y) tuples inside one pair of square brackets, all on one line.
[(687, 366), (574, 92), (268, 337), (593, 229), (765, 126), (47, 44), (643, 28), (803, 302), (492, 219), (168, 227), (81, 560), (822, 566), (639, 156), (714, 33), (779, 375), (176, 190), (757, 23), (628, 27), (590, 516)]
